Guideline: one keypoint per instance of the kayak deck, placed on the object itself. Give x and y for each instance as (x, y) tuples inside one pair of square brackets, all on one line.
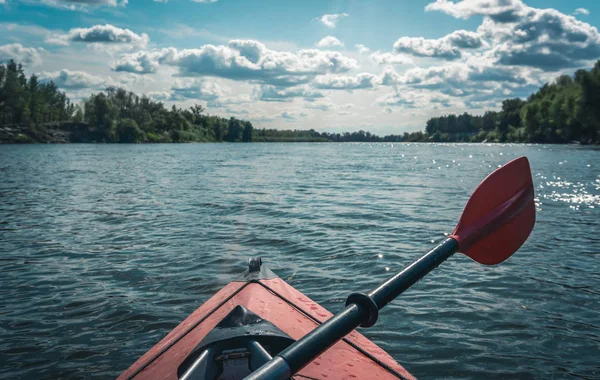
[(272, 299)]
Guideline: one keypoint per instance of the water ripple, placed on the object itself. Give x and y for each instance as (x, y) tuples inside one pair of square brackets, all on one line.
[(106, 248)]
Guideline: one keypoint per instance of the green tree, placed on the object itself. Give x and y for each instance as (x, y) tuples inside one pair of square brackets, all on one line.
[(129, 132)]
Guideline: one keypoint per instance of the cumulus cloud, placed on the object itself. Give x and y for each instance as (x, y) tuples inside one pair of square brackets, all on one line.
[(76, 80), (212, 92), (21, 54), (321, 106), (413, 99), (141, 62), (345, 82), (203, 1), (498, 10), (448, 47), (362, 49), (197, 89), (472, 81), (330, 41), (397, 99), (241, 60), (83, 4), (331, 20), (273, 94), (543, 38), (581, 11), (100, 34), (160, 96), (525, 36), (293, 115), (390, 58)]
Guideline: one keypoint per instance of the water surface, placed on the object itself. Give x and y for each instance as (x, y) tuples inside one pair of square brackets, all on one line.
[(106, 248)]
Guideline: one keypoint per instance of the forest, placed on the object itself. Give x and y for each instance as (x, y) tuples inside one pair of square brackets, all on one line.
[(113, 115), (565, 111)]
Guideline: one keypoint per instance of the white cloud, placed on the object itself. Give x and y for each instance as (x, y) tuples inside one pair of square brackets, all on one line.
[(390, 58), (204, 1), (472, 82), (413, 99), (330, 41), (76, 80), (197, 89), (362, 49), (525, 36), (543, 38), (321, 106), (397, 99), (345, 82), (499, 10), (138, 63), (20, 54), (581, 11), (331, 20), (83, 4), (160, 96), (448, 47), (293, 115), (100, 34), (273, 94), (241, 60)]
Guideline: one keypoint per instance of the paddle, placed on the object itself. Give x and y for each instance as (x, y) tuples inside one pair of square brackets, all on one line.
[(496, 221)]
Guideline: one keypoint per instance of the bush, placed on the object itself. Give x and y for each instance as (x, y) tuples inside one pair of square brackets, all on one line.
[(157, 137), (21, 139), (129, 132)]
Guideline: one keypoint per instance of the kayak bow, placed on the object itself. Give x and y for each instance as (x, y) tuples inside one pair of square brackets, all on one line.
[(248, 322)]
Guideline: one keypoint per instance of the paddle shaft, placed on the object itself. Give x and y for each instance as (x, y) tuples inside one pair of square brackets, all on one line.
[(301, 353)]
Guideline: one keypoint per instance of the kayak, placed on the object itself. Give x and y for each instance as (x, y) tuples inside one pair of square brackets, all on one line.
[(248, 322), (261, 328)]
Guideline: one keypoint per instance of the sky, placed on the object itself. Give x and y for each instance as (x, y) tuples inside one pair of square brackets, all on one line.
[(383, 66)]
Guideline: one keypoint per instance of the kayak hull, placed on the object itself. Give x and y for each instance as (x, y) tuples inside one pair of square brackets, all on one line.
[(295, 314)]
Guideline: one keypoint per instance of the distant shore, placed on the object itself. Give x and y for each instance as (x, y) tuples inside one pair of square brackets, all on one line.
[(566, 111), (80, 132)]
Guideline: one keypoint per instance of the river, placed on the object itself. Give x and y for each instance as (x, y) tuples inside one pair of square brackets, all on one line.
[(106, 248)]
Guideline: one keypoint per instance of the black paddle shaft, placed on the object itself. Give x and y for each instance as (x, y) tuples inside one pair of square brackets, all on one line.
[(360, 310)]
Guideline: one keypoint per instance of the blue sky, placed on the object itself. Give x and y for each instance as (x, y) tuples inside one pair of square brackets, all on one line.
[(384, 66)]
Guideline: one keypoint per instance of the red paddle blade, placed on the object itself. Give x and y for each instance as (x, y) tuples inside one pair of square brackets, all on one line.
[(499, 216)]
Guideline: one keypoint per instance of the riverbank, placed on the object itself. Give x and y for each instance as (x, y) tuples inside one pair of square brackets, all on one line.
[(81, 132)]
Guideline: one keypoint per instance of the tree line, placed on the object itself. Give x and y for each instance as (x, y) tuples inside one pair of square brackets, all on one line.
[(122, 116), (560, 112), (114, 115), (564, 111), (24, 101)]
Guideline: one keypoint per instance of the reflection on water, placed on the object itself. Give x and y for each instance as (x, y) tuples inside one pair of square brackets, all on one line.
[(107, 248)]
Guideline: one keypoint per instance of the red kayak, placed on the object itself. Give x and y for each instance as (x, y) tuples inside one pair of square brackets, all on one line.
[(248, 322)]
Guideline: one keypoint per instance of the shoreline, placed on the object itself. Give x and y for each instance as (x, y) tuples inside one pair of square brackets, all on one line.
[(82, 133)]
